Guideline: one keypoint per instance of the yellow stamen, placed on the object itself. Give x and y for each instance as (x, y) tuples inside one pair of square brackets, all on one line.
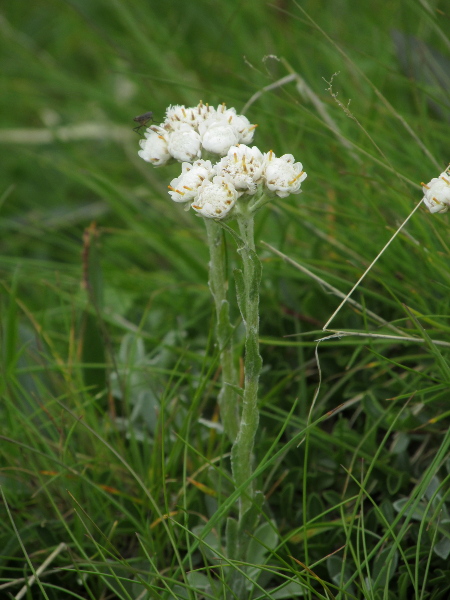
[(295, 178), (425, 185), (175, 190)]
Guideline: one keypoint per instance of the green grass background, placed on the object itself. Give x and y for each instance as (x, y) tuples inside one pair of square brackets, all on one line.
[(109, 374)]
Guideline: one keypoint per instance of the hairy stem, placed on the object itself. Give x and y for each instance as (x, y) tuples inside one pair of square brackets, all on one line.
[(247, 286), (218, 284)]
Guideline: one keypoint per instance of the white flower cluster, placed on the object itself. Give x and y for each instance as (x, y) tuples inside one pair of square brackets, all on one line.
[(187, 131), (437, 193), (212, 190)]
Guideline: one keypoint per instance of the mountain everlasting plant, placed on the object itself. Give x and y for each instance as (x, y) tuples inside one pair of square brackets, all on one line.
[(240, 181)]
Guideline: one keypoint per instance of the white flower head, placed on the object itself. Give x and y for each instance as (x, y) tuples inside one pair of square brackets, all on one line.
[(217, 136), (184, 144), (437, 193), (283, 175), (240, 123), (223, 129), (185, 187), (243, 166), (154, 147), (204, 111), (178, 114), (215, 198), (186, 131)]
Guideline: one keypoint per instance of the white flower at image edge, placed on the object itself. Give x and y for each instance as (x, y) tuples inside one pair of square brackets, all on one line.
[(437, 193), (154, 148), (283, 175), (215, 198), (185, 187), (184, 144)]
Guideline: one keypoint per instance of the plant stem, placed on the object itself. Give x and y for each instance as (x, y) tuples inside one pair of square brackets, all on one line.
[(247, 287), (218, 284)]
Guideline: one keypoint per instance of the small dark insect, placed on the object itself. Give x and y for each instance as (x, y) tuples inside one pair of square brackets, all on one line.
[(143, 120)]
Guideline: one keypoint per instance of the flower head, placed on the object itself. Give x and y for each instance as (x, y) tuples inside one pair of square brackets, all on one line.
[(240, 123), (217, 136), (154, 147), (215, 198), (283, 175), (437, 193), (243, 173), (244, 166), (184, 144), (189, 130), (177, 115), (185, 187)]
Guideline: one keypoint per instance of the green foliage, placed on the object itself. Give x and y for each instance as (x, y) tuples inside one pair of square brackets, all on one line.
[(112, 453)]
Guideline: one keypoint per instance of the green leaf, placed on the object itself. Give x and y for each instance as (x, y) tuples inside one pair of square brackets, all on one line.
[(231, 534), (240, 292), (253, 360), (383, 571), (442, 548), (340, 572), (290, 590)]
